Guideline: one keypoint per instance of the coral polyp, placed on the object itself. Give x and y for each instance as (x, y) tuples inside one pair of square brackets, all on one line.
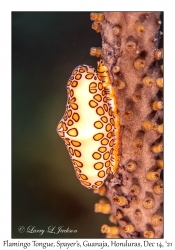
[(130, 50)]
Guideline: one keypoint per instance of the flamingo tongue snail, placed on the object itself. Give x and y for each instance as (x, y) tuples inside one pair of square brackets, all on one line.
[(90, 125)]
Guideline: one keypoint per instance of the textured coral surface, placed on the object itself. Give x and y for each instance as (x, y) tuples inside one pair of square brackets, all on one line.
[(130, 51)]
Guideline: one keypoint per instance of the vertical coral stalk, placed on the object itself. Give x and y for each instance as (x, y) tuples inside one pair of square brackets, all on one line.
[(130, 51)]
